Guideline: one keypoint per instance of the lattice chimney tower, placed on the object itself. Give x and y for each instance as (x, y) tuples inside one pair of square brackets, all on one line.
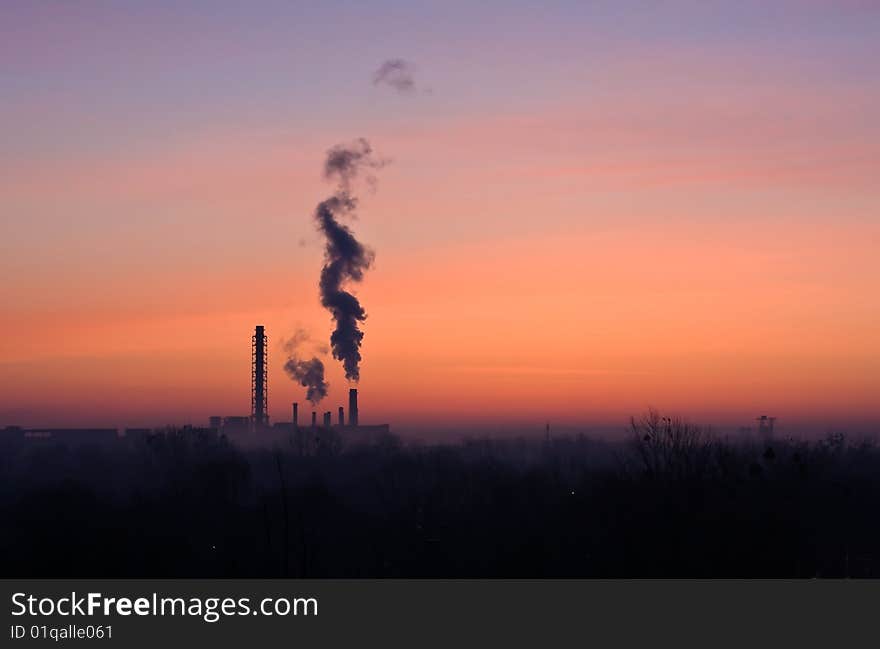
[(259, 401)]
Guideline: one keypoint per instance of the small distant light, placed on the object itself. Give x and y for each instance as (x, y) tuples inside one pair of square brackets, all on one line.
[(572, 493)]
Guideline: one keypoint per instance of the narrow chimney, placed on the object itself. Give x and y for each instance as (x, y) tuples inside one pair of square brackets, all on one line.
[(314, 419), (341, 417), (328, 419), (296, 415), (353, 407)]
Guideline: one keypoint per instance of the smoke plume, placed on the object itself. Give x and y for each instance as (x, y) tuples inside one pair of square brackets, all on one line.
[(345, 258), (308, 372), (397, 73)]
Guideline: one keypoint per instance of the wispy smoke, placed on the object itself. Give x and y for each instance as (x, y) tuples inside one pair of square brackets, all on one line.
[(308, 372), (397, 73), (346, 161), (345, 258)]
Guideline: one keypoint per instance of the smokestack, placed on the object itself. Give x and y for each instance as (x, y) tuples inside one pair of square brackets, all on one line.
[(259, 407), (328, 419), (295, 415), (341, 417), (353, 407), (314, 419)]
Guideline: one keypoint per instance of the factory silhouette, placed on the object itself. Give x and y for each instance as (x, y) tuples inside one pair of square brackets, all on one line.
[(241, 429), (305, 436)]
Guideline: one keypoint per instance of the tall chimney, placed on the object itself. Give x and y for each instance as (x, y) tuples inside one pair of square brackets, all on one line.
[(259, 409), (328, 419), (353, 407), (314, 419), (295, 415), (341, 417)]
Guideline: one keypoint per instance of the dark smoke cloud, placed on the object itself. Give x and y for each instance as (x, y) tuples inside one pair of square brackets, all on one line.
[(397, 73), (347, 161), (308, 372), (345, 258)]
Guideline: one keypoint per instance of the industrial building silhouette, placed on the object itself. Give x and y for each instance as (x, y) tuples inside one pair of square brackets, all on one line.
[(253, 428), (258, 421)]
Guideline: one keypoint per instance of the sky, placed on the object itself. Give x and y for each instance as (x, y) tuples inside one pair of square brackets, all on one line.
[(592, 208)]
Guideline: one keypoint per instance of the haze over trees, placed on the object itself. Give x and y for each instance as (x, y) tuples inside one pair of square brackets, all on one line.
[(673, 500)]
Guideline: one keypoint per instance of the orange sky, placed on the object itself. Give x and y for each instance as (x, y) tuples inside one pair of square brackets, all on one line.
[(691, 225), (578, 327)]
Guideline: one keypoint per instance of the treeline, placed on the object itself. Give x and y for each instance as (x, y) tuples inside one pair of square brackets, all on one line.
[(673, 501)]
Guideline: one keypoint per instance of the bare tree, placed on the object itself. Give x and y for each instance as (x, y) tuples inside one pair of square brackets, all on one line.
[(670, 448)]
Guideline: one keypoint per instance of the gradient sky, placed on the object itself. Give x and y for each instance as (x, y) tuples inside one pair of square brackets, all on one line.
[(593, 207)]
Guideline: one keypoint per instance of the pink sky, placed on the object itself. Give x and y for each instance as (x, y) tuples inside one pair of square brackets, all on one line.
[(588, 214)]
